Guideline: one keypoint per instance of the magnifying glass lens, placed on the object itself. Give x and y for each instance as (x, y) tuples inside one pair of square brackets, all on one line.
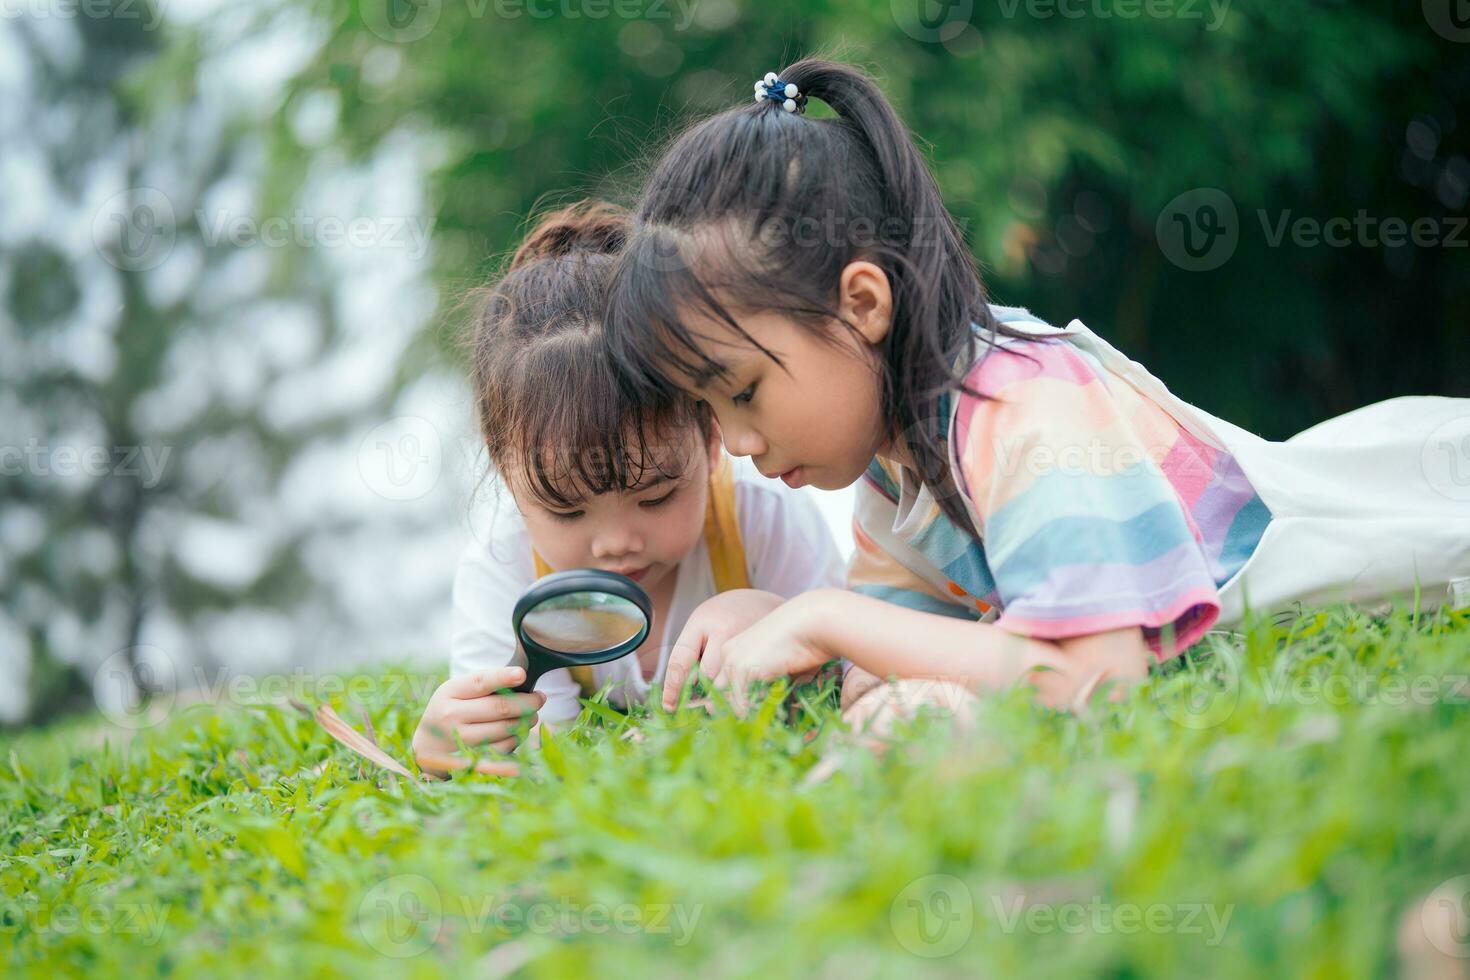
[(578, 617), (583, 622)]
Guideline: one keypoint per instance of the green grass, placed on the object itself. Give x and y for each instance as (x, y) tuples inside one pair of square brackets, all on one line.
[(1271, 809)]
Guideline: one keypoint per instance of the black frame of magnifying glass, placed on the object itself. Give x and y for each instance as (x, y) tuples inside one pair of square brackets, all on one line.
[(540, 659)]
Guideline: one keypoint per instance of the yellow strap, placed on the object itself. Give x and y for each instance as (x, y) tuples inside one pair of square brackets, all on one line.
[(721, 540), (722, 530)]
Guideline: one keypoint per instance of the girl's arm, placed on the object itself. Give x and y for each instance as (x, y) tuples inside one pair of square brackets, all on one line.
[(893, 641), (788, 549)]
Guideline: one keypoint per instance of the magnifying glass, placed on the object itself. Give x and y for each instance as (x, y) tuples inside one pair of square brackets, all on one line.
[(576, 618)]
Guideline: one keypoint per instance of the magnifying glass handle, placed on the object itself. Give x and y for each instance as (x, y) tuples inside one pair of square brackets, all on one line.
[(533, 670), (529, 684)]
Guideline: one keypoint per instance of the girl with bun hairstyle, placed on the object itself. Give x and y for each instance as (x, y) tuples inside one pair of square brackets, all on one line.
[(598, 479)]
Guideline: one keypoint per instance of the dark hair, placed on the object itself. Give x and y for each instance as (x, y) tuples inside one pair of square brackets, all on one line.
[(710, 225), (547, 397)]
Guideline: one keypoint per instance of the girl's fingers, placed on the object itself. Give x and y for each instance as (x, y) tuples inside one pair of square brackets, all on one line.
[(681, 661), (504, 746), (729, 682), (497, 707), (738, 682), (439, 764), (857, 683), (489, 731), (719, 678), (483, 682), (713, 660)]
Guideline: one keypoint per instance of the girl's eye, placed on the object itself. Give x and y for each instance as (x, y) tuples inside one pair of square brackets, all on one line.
[(568, 517), (659, 502), (745, 396)]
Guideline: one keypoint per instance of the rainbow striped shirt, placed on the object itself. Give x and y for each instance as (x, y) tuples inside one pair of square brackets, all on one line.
[(1096, 509)]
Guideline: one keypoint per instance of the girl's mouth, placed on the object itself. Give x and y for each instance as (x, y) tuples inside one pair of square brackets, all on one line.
[(792, 478), (634, 574)]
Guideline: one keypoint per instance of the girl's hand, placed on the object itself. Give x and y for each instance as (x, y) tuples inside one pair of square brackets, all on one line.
[(783, 644), (708, 628), (857, 683), (468, 706)]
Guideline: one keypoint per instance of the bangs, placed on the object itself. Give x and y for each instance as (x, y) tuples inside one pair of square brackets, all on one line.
[(587, 433), (657, 290)]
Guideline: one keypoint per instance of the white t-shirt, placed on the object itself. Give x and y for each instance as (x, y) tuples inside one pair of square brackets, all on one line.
[(788, 550)]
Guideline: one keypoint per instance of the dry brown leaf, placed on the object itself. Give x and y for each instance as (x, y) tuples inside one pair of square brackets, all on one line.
[(345, 734), (356, 741)]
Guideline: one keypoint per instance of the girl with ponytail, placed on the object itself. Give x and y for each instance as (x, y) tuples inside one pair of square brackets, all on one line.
[(600, 478), (1032, 505)]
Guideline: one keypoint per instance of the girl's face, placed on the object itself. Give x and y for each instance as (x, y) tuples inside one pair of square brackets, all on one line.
[(642, 533), (817, 417)]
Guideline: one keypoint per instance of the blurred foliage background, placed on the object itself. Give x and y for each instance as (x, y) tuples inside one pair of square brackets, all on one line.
[(233, 238)]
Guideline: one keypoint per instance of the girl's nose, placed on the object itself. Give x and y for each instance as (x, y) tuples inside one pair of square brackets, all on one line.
[(615, 542), (742, 441)]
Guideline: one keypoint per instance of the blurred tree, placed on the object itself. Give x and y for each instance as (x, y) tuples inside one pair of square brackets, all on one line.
[(69, 534), (1060, 131), (182, 343)]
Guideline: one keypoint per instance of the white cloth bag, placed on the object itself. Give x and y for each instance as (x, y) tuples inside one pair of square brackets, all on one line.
[(1364, 506)]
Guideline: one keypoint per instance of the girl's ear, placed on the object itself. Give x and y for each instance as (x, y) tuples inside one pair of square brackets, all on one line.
[(865, 300)]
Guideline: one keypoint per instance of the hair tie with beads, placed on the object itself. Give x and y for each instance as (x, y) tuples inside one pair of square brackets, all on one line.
[(773, 89)]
